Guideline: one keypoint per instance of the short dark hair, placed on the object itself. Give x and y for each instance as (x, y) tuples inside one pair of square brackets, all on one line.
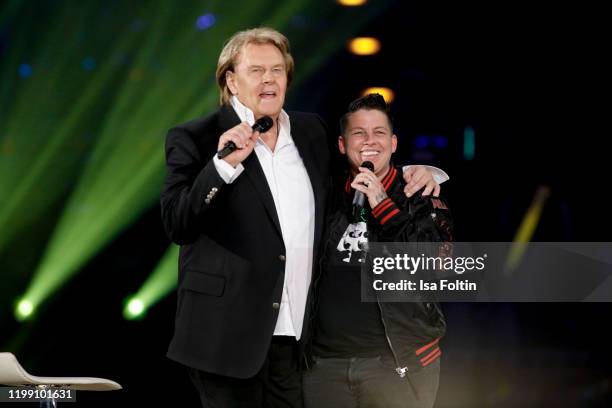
[(373, 101)]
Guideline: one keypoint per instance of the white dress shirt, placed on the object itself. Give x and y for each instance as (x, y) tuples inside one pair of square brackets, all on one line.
[(294, 201)]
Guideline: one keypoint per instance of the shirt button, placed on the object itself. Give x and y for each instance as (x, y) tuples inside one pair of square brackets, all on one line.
[(282, 258), (276, 305)]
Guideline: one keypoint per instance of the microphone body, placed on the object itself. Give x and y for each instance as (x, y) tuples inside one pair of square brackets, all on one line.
[(262, 125), (359, 197)]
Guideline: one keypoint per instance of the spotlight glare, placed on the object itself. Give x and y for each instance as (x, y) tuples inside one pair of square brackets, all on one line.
[(134, 309), (352, 3), (421, 142), (364, 45), (205, 21), (24, 309), (386, 93), (159, 284), (25, 70), (469, 143)]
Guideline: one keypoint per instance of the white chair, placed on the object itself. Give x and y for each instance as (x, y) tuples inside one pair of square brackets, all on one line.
[(13, 374)]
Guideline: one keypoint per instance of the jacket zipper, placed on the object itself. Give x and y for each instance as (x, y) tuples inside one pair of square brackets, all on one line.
[(401, 371)]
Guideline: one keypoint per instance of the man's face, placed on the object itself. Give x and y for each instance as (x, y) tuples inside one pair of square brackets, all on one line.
[(259, 79), (368, 137)]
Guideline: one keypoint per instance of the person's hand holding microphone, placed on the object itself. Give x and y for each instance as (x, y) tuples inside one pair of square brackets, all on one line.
[(237, 143)]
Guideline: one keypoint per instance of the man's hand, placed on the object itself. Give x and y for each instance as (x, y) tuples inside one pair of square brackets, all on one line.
[(416, 178), (367, 182), (244, 137)]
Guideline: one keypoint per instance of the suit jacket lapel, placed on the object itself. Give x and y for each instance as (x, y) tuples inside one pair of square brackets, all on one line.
[(252, 168)]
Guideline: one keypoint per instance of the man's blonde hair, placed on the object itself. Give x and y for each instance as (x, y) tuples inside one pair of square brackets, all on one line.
[(231, 51)]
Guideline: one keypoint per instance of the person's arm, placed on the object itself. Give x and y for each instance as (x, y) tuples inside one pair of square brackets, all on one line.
[(193, 186), (190, 187)]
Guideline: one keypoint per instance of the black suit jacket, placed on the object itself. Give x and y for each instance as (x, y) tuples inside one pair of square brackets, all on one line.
[(231, 263)]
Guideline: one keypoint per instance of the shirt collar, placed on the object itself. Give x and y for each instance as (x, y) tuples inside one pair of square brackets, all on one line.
[(246, 115)]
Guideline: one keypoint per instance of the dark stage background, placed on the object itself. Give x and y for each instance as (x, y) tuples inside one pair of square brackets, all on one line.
[(530, 81)]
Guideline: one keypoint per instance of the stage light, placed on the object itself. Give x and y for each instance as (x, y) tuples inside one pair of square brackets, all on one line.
[(527, 228), (25, 70), (352, 3), (364, 45), (24, 309), (440, 142), (386, 93), (205, 21), (421, 142), (469, 143), (134, 309), (161, 282)]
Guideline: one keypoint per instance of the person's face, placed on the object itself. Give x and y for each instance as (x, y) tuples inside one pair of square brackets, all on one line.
[(368, 137), (259, 79)]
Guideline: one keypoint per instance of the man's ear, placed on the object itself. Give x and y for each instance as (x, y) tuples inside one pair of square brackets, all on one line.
[(231, 84), (341, 145), (393, 143)]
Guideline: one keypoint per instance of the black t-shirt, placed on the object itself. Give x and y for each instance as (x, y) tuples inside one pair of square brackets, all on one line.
[(346, 326)]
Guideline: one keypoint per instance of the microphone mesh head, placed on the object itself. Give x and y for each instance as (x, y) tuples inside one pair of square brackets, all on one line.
[(368, 165), (263, 124)]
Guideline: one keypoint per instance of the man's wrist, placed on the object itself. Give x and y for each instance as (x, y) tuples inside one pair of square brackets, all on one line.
[(226, 171)]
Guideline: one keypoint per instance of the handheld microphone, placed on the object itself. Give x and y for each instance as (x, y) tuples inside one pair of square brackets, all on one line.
[(359, 197), (262, 125)]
